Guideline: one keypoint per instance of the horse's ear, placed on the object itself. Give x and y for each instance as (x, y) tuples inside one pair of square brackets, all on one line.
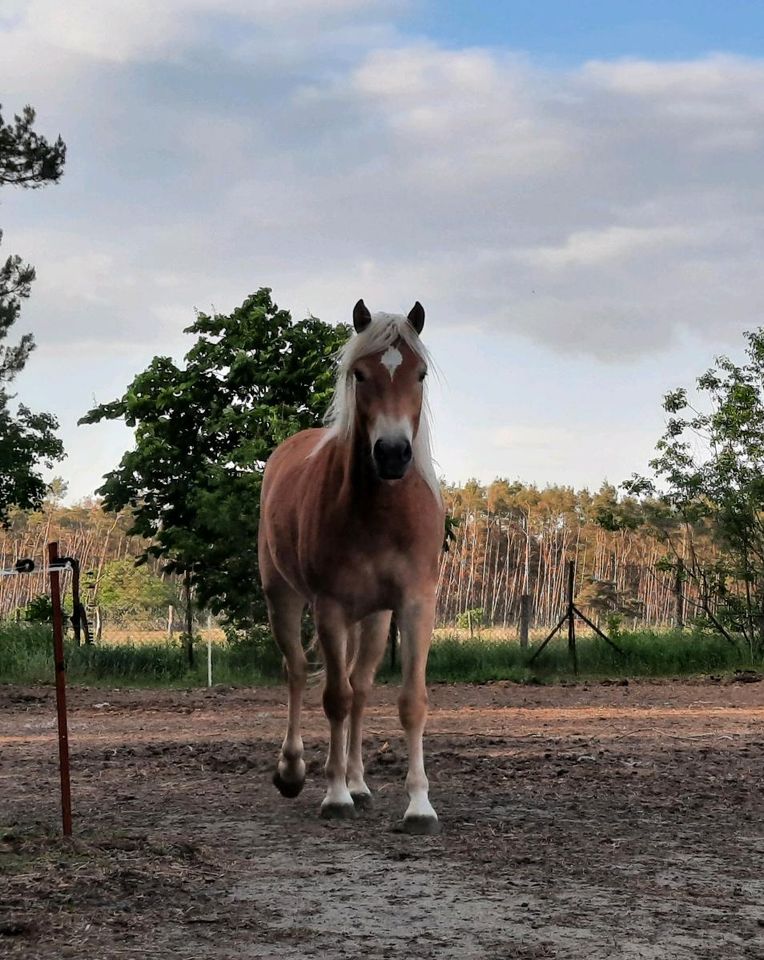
[(361, 317), (416, 317)]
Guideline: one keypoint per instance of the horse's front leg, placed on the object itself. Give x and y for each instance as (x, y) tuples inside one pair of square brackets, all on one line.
[(332, 628), (416, 620)]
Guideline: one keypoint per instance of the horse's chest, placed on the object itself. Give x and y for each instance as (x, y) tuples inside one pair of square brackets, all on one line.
[(359, 567)]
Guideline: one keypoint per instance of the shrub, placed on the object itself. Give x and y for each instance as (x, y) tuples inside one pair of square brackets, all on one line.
[(471, 618), (254, 648)]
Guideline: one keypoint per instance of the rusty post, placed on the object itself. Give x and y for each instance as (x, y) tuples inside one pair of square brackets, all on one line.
[(58, 656)]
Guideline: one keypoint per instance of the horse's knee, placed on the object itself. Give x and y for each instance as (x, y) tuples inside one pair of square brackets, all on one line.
[(297, 674), (412, 707), (338, 699)]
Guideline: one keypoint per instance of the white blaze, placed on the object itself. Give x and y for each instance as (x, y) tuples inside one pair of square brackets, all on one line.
[(392, 358)]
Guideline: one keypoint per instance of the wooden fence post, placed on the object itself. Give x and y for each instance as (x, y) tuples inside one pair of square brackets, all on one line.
[(678, 595), (60, 666), (525, 619)]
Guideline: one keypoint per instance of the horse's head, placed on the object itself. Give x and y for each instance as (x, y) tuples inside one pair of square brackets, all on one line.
[(388, 372)]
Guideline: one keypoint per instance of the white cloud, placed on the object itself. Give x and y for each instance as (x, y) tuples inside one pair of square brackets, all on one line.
[(574, 207), (590, 247), (115, 31)]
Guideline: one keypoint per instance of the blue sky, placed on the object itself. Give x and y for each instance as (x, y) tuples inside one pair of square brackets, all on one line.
[(569, 31), (573, 191)]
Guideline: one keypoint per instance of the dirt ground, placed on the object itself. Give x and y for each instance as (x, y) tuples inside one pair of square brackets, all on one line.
[(587, 821)]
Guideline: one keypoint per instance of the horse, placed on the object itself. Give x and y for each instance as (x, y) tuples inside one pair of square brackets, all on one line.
[(352, 524)]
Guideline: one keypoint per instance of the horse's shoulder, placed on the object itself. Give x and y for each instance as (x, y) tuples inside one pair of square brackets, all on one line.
[(299, 444)]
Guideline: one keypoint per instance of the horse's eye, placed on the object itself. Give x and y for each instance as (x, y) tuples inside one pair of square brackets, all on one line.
[(422, 375), (359, 377)]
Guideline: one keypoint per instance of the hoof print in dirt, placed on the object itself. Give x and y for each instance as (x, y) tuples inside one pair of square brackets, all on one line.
[(421, 826), (338, 811), (287, 788), (362, 801)]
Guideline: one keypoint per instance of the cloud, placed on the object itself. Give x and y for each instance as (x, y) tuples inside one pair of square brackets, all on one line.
[(607, 209), (591, 247), (114, 31)]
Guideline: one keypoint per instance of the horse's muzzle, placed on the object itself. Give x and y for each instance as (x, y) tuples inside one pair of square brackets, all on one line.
[(392, 458)]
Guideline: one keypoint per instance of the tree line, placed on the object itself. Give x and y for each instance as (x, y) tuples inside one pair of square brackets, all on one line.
[(512, 539)]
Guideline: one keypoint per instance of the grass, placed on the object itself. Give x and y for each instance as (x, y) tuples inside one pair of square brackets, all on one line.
[(646, 653), (26, 657)]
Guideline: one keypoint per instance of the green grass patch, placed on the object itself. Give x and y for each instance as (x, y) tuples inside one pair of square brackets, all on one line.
[(26, 656), (646, 653)]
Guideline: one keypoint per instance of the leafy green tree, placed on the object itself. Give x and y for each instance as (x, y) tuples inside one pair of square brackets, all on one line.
[(709, 486), (203, 431), (612, 512), (125, 588), (603, 597), (27, 439)]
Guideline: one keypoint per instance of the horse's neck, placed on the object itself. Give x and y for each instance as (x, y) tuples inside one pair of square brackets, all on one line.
[(358, 482), (351, 483)]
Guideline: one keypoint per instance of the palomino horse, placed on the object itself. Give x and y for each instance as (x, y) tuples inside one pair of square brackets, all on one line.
[(352, 524)]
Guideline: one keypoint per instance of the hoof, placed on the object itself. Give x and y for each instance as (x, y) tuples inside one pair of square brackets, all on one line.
[(338, 811), (362, 801), (287, 788), (421, 826)]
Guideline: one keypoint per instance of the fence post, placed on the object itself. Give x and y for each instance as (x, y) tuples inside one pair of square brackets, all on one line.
[(572, 617), (76, 613), (525, 619), (58, 656), (170, 621), (678, 596)]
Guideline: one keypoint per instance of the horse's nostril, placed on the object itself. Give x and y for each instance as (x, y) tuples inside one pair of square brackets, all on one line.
[(406, 452)]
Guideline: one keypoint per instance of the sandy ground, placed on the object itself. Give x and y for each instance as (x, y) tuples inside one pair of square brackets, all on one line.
[(585, 821)]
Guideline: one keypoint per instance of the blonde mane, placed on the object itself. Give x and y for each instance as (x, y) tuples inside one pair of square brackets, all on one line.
[(383, 331)]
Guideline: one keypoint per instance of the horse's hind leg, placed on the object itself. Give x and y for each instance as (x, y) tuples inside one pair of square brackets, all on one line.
[(374, 631), (285, 609)]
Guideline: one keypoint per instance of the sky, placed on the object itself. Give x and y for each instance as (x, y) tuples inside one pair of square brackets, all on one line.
[(572, 190)]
